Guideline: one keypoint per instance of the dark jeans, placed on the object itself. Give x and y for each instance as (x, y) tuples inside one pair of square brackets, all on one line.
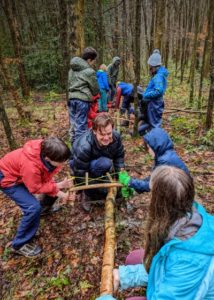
[(98, 167), (78, 113), (126, 104), (31, 209)]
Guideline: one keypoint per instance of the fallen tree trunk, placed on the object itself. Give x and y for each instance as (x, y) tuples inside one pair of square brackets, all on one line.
[(106, 287)]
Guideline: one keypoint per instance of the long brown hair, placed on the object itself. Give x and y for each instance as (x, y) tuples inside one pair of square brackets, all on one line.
[(172, 197)]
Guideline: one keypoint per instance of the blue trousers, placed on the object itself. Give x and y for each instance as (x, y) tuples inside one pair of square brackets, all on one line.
[(31, 209), (78, 114), (102, 102), (126, 104)]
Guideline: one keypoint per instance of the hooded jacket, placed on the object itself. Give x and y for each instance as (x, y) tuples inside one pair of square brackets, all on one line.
[(113, 70), (87, 148), (153, 96), (25, 166), (182, 269), (102, 79), (82, 81), (159, 141)]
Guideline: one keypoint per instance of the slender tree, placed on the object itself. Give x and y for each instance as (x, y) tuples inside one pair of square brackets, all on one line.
[(10, 12)]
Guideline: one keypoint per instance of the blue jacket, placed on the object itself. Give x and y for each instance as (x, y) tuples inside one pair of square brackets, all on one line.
[(153, 95), (159, 141), (126, 88), (102, 79), (181, 269)]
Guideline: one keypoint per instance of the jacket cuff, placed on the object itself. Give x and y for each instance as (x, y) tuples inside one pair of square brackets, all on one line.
[(133, 276)]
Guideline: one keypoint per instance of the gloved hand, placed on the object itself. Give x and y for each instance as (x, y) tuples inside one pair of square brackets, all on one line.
[(124, 178), (106, 297), (127, 192)]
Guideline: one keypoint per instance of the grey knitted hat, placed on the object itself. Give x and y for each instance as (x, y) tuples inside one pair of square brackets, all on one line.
[(155, 59)]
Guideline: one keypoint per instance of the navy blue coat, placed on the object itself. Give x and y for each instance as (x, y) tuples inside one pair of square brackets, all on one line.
[(86, 149), (154, 96), (159, 141)]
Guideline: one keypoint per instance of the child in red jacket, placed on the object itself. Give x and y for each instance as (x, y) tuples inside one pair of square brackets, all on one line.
[(26, 173), (93, 110)]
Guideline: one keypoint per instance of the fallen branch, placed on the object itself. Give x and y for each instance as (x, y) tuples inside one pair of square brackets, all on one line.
[(95, 186), (185, 111)]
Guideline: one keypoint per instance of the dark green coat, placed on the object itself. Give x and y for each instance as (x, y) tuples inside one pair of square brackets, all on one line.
[(82, 82)]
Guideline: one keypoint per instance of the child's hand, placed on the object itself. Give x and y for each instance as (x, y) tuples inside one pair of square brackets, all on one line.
[(63, 196), (65, 184), (116, 279)]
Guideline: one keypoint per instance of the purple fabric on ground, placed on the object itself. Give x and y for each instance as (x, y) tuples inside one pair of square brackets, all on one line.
[(136, 298), (135, 257)]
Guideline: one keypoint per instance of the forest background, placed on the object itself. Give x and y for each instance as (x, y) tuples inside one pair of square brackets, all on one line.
[(37, 40)]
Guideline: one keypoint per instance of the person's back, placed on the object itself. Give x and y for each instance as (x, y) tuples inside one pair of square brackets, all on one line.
[(113, 71), (163, 153), (82, 86), (178, 259)]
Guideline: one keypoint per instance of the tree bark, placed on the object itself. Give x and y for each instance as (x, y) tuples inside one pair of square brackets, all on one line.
[(137, 61), (209, 117), (10, 12), (6, 123)]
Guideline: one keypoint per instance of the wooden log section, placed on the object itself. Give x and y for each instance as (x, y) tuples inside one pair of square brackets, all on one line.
[(106, 287)]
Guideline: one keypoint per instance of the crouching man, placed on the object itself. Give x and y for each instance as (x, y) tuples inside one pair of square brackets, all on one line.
[(97, 152)]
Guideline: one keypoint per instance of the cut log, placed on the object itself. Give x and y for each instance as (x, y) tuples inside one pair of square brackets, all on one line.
[(106, 287)]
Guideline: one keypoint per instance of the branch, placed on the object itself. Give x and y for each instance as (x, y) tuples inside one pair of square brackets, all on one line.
[(95, 186)]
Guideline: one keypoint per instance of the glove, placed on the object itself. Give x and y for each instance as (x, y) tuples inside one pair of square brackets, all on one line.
[(124, 178), (106, 297), (96, 97), (127, 192)]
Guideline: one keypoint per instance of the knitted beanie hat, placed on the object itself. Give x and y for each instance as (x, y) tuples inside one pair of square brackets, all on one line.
[(155, 59)]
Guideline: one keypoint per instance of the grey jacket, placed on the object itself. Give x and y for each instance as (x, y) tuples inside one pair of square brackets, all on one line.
[(82, 82), (113, 70)]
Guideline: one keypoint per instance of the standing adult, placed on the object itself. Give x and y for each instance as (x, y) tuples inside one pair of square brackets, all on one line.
[(154, 92), (113, 71), (82, 86)]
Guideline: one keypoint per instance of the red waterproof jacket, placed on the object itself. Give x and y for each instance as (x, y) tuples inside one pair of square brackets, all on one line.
[(24, 165)]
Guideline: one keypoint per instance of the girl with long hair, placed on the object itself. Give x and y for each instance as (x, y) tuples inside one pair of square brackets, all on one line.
[(178, 261)]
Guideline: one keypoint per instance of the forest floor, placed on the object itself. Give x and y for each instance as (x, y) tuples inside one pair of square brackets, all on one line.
[(70, 265)]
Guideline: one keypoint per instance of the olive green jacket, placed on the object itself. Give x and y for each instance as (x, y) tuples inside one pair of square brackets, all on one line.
[(82, 81)]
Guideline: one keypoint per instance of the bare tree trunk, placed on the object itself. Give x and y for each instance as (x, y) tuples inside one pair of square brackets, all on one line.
[(6, 123), (10, 12), (166, 56), (206, 45), (184, 41), (209, 117), (125, 41), (63, 42), (77, 38), (100, 31), (159, 24), (11, 88), (192, 68), (137, 60)]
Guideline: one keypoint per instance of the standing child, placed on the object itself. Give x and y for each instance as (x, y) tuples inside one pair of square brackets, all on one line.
[(154, 92), (102, 79), (26, 173), (82, 86)]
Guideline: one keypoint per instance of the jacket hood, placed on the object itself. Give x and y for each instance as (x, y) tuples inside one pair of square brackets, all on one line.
[(32, 149), (79, 64), (163, 71), (99, 73), (116, 59), (159, 141), (202, 240)]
